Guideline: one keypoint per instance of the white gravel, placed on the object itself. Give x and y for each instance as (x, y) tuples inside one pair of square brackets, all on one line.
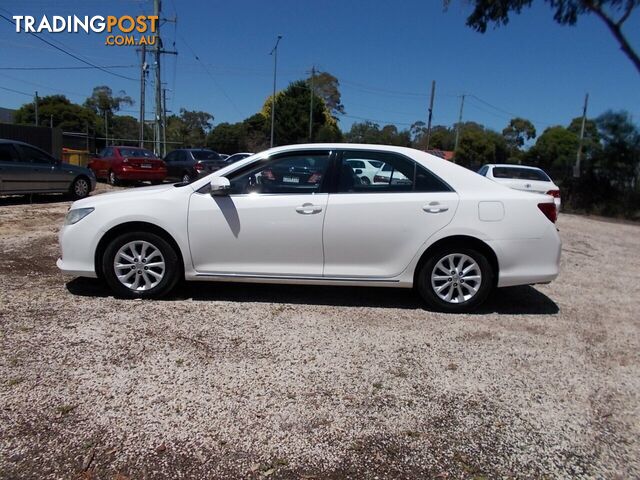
[(251, 381)]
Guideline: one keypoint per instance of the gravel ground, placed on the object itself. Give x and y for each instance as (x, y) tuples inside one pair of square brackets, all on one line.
[(250, 381)]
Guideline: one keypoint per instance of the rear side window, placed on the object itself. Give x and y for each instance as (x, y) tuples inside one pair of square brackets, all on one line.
[(8, 153), (520, 173), (395, 173)]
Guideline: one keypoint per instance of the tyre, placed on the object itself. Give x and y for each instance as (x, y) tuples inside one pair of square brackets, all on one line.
[(365, 181), (112, 179), (80, 188), (140, 265), (186, 178), (455, 279)]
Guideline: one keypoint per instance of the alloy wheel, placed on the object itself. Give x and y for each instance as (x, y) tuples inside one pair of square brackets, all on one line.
[(456, 278), (139, 265), (81, 188)]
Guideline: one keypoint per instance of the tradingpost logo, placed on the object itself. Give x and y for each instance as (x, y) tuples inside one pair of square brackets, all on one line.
[(125, 30)]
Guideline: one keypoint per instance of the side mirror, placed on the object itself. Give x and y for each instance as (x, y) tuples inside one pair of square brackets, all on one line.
[(220, 186)]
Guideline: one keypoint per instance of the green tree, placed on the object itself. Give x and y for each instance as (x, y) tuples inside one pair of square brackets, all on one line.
[(518, 132), (327, 87), (554, 151), (66, 115), (292, 114), (125, 127), (103, 102), (614, 13), (619, 159)]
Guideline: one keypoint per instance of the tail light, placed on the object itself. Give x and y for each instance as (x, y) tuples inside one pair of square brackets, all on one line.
[(554, 193), (315, 178), (199, 167), (549, 210), (380, 179), (125, 160)]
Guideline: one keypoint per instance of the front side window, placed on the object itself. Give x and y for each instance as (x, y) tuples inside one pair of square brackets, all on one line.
[(291, 174), (8, 153), (395, 173), (34, 155)]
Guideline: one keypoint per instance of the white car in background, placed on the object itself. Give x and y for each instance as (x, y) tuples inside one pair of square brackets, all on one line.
[(520, 177), (365, 169), (389, 175), (300, 214)]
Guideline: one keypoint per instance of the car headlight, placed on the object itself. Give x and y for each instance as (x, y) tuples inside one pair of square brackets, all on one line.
[(74, 216)]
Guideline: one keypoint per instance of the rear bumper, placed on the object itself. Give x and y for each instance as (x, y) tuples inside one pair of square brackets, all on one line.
[(528, 261), (129, 173)]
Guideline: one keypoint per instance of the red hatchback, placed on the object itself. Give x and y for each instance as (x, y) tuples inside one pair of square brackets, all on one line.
[(118, 164)]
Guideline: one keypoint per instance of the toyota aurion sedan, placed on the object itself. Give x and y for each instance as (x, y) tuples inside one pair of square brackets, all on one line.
[(301, 214)]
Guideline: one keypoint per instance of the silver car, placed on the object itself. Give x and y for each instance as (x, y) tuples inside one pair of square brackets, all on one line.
[(27, 169)]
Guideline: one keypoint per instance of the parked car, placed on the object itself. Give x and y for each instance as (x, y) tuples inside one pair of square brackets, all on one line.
[(520, 177), (451, 234), (365, 169), (236, 157), (28, 169), (388, 174), (187, 164), (124, 164)]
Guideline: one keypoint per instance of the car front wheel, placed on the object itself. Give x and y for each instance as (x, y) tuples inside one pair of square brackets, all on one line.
[(140, 265), (455, 279)]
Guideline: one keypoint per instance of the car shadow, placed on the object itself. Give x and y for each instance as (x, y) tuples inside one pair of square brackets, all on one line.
[(36, 198), (523, 300)]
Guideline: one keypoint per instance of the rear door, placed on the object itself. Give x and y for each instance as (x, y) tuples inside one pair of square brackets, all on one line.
[(45, 172), (14, 173), (375, 230)]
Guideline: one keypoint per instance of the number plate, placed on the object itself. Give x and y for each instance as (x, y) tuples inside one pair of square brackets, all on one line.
[(290, 179), (146, 165)]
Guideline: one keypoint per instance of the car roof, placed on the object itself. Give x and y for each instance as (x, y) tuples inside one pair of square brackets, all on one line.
[(8, 140)]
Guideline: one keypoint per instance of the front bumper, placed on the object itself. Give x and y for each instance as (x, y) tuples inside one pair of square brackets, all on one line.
[(77, 253)]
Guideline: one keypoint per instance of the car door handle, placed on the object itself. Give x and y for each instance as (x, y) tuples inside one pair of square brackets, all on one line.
[(308, 209), (435, 207)]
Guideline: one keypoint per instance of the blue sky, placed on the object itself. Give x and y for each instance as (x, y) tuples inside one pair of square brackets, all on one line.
[(384, 53)]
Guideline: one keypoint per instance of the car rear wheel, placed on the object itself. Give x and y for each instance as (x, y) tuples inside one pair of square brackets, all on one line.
[(112, 179), (140, 265), (80, 188), (455, 279)]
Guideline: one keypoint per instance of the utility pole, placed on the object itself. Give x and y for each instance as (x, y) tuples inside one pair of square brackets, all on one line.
[(164, 122), (36, 107), (106, 128), (459, 126), (576, 167), (158, 50), (313, 74), (143, 86), (274, 53), (433, 94)]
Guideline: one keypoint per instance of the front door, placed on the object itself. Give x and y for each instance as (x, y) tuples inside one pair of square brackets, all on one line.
[(14, 173), (375, 229), (271, 222)]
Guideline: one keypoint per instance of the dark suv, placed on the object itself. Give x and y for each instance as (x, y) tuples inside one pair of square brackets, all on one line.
[(188, 164), (27, 169)]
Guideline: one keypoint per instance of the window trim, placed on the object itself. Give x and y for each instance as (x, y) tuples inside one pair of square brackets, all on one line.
[(340, 157), (324, 186)]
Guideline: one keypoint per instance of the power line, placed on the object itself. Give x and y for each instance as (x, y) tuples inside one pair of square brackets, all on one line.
[(80, 59), (66, 68), (16, 91)]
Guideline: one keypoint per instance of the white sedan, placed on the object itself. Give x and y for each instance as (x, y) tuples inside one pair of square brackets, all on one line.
[(520, 177), (300, 214)]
